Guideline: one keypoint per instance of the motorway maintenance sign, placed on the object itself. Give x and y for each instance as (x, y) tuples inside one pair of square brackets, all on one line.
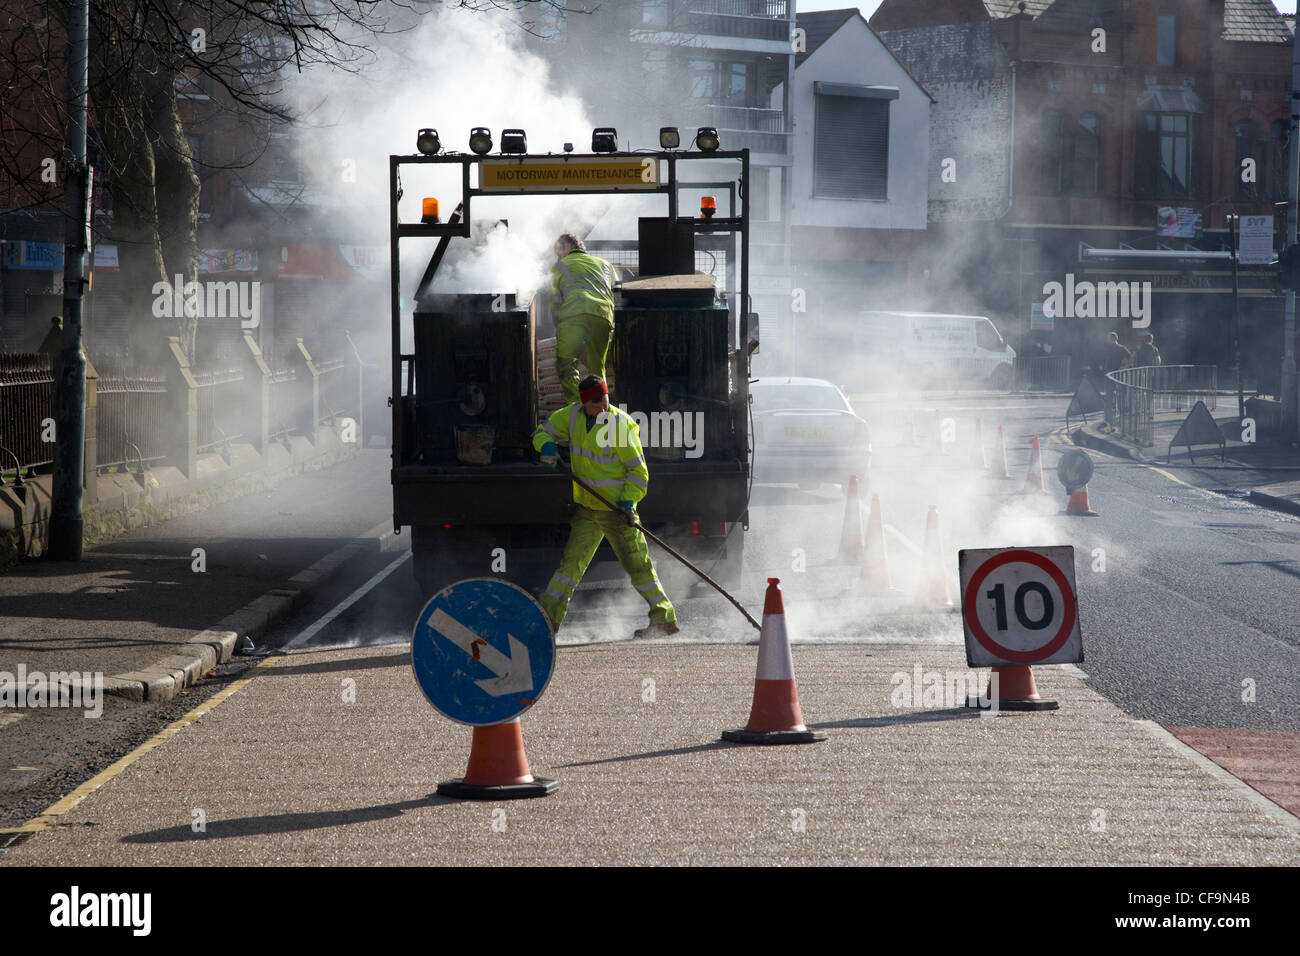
[(1019, 606), (482, 651), (557, 174)]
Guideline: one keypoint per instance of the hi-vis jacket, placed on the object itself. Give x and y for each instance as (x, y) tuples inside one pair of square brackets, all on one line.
[(582, 285), (607, 456)]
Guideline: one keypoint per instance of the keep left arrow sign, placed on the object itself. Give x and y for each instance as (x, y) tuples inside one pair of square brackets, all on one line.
[(514, 673)]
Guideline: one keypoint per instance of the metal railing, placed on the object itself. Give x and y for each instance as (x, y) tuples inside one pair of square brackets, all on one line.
[(285, 402), (26, 402), (1046, 372), (1134, 396), (222, 402), (130, 412)]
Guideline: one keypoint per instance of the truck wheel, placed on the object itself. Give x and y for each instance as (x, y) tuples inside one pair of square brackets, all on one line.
[(1001, 378)]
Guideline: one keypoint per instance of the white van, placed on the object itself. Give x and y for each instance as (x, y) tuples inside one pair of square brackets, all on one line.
[(933, 349)]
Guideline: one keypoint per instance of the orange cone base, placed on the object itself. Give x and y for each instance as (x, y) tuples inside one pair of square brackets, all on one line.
[(774, 717), (1078, 505), (1016, 691), (459, 789), (498, 768), (804, 736)]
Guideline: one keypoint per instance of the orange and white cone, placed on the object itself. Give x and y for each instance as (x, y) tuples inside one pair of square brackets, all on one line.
[(1078, 504), (934, 589), (978, 458), (1002, 470), (1012, 688), (498, 768), (909, 430), (1034, 480), (851, 546), (774, 717), (875, 562)]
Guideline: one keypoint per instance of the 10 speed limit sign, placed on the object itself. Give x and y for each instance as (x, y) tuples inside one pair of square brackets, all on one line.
[(1019, 606)]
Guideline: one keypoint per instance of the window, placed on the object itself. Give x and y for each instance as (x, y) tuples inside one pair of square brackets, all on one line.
[(1053, 151), (987, 337), (1166, 52), (1085, 174), (724, 83), (1162, 157), (1278, 177), (851, 144)]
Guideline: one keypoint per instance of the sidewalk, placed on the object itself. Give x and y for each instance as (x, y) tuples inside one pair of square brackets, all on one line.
[(154, 609), (1268, 472), (288, 771)]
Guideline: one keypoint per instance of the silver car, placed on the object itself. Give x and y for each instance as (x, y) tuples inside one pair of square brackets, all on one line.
[(806, 433)]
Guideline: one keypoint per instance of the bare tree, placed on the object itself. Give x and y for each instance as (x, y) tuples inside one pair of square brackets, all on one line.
[(143, 55)]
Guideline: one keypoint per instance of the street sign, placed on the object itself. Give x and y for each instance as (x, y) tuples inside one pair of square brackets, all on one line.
[(1255, 240), (1019, 606), (482, 651), (553, 174)]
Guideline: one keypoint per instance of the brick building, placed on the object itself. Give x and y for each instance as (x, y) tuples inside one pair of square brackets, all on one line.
[(1125, 127)]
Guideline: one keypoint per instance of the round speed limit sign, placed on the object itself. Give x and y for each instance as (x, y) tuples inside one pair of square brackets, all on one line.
[(1019, 606)]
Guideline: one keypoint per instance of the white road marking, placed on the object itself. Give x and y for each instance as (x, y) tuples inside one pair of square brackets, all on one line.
[(346, 603)]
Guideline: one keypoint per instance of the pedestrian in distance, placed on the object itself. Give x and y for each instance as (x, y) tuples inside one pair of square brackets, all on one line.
[(1115, 356), (1147, 353), (605, 452), (582, 302)]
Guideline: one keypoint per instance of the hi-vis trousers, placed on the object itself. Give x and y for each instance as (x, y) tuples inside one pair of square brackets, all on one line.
[(585, 533), (581, 337)]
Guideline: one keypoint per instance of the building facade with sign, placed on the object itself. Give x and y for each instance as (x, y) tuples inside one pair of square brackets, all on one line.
[(1128, 131)]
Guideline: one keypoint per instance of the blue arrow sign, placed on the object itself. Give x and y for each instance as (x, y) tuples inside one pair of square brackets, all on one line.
[(482, 651)]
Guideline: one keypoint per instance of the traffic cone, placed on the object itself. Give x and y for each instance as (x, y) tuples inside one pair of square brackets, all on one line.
[(851, 547), (774, 717), (1034, 480), (1078, 504), (977, 457), (875, 562), (909, 430), (934, 579), (1001, 452), (1012, 688), (498, 768)]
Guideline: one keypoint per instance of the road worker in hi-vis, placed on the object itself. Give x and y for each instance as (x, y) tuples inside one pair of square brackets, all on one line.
[(582, 303), (605, 453)]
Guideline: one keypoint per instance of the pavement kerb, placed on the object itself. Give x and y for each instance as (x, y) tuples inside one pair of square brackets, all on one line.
[(198, 654), (1279, 815), (1274, 502)]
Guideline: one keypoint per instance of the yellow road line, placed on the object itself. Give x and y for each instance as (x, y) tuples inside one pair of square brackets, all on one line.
[(50, 818)]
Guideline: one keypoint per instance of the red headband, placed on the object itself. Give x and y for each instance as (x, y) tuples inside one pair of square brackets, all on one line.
[(594, 392)]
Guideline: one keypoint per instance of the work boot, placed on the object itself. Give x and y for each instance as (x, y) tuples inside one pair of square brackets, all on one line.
[(656, 630)]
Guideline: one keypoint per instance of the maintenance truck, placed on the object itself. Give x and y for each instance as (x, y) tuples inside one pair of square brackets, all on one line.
[(466, 400)]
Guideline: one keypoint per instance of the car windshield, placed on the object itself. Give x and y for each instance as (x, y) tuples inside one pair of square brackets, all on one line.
[(774, 396)]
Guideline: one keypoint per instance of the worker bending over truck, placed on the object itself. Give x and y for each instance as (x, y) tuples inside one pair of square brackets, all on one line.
[(582, 303), (605, 452)]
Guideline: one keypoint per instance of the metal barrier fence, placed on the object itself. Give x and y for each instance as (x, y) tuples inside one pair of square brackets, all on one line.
[(284, 402), (1047, 372), (26, 401), (334, 398), (1136, 394), (222, 402), (132, 407)]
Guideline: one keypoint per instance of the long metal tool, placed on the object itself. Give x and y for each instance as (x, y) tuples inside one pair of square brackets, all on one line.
[(659, 541)]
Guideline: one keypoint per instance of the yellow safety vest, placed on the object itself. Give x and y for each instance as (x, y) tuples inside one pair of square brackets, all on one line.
[(582, 285), (607, 456)]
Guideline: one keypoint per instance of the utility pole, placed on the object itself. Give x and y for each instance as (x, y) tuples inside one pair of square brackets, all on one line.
[(70, 446), (1289, 419)]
